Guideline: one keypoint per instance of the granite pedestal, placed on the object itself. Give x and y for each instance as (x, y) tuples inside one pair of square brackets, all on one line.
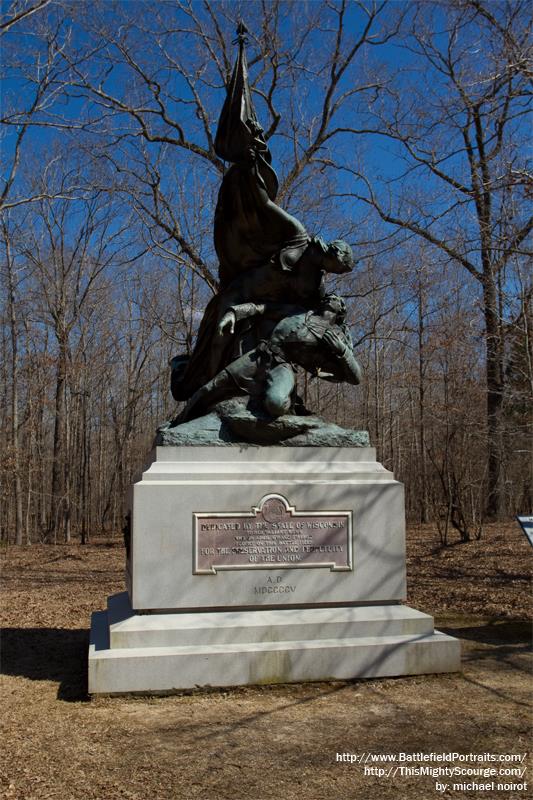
[(250, 565)]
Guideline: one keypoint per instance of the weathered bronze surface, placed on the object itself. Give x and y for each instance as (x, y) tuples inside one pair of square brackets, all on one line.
[(272, 314)]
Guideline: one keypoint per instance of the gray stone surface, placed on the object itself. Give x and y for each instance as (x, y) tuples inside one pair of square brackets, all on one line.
[(178, 630), (133, 653), (128, 629), (182, 481)]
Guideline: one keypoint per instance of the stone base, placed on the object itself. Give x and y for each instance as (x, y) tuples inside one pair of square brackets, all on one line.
[(147, 653), (181, 483)]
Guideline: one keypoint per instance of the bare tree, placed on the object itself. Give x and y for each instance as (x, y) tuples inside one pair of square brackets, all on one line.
[(458, 128), (33, 70), (109, 189), (12, 291), (68, 268), (20, 11)]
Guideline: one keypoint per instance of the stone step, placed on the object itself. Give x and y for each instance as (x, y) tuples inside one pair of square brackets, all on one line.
[(164, 669), (130, 630)]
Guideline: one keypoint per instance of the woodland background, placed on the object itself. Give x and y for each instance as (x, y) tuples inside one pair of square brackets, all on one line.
[(400, 126)]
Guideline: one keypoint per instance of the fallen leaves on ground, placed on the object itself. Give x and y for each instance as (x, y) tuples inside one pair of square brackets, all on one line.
[(257, 743)]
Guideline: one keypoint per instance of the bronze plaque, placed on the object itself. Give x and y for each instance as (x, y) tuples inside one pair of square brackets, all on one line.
[(273, 535)]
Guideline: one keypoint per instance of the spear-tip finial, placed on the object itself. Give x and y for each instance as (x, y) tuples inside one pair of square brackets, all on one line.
[(242, 30)]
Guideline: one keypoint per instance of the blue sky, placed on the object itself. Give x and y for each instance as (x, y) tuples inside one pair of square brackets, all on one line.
[(380, 158)]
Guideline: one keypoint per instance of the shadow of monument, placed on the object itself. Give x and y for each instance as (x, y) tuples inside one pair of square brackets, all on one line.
[(506, 642), (48, 654), (501, 633)]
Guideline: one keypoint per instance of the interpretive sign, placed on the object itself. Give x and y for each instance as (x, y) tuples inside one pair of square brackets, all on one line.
[(273, 535), (526, 523)]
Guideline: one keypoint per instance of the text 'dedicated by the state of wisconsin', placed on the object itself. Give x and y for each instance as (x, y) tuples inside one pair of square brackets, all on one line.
[(273, 535)]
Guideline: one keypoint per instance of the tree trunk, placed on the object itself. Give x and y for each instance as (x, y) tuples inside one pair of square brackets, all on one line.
[(494, 376), (19, 524), (422, 405), (58, 491)]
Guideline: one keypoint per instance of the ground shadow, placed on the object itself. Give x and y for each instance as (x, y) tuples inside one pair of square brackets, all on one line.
[(48, 654), (500, 633), (60, 655)]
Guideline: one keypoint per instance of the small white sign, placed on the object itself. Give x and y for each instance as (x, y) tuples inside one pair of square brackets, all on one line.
[(526, 523)]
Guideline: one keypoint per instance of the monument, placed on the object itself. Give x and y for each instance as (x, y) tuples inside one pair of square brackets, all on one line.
[(263, 544)]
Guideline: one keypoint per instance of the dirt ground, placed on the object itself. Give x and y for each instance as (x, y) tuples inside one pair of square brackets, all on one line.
[(288, 742)]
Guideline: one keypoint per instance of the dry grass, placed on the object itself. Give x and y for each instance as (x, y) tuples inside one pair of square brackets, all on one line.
[(266, 742)]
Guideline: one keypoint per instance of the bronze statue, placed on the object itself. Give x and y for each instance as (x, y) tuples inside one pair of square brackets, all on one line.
[(302, 284), (271, 314), (318, 341)]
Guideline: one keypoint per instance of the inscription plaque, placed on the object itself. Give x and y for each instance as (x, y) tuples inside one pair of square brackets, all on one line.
[(273, 535)]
